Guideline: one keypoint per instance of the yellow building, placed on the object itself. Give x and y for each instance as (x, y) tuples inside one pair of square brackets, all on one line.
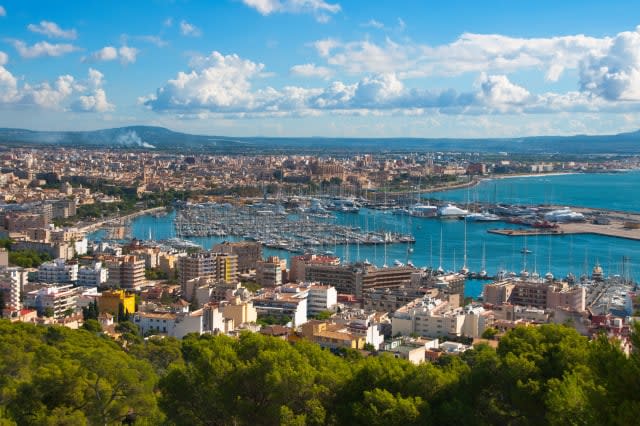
[(110, 302), (331, 336)]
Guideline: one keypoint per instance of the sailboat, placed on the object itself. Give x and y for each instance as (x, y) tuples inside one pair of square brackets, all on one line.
[(440, 269), (524, 249), (483, 266), (549, 275), (465, 270)]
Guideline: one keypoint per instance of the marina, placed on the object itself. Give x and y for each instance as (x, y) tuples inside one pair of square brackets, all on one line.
[(274, 227)]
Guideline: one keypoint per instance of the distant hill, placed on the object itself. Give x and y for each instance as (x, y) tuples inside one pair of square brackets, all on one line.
[(148, 137)]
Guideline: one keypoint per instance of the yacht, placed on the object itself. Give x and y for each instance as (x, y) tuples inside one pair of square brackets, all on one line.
[(451, 211), (482, 217), (423, 210)]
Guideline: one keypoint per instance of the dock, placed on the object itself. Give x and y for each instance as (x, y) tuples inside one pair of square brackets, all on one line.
[(614, 229)]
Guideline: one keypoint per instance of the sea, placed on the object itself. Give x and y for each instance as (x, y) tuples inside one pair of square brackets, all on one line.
[(442, 242)]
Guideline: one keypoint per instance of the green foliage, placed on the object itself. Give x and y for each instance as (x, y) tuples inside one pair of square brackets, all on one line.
[(537, 376), (6, 243), (57, 376), (324, 315), (489, 333), (28, 258), (91, 311), (271, 320), (155, 274), (92, 325)]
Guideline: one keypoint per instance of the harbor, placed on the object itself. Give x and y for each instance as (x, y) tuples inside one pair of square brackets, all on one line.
[(274, 227)]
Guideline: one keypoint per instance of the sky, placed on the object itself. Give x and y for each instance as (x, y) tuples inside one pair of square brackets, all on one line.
[(330, 68)]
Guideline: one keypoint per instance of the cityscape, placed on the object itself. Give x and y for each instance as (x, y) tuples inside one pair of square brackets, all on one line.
[(400, 254)]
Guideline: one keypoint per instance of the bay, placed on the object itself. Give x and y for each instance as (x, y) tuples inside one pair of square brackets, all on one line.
[(559, 254)]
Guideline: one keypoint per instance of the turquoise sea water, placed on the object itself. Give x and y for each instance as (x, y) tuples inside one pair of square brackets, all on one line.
[(613, 191), (566, 253)]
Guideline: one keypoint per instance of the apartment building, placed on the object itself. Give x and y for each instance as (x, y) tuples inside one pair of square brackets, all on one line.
[(94, 275), (58, 271), (58, 300), (215, 266), (125, 271), (248, 253), (269, 272)]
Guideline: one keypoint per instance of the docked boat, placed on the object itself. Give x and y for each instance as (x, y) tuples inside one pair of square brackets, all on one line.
[(423, 210), (564, 215), (451, 211), (482, 217)]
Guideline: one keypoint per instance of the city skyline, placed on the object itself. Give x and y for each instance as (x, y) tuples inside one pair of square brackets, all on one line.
[(322, 68)]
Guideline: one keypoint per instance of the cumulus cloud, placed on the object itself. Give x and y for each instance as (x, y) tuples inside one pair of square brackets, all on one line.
[(52, 30), (4, 58), (319, 8), (215, 82), (189, 30), (56, 95), (3, 11), (42, 48), (126, 55), (497, 90), (468, 53), (614, 74), (311, 70)]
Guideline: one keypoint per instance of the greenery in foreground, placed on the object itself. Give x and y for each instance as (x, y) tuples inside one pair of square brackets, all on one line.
[(545, 375)]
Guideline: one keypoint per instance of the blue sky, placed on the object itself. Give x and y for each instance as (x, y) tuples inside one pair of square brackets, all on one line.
[(322, 67)]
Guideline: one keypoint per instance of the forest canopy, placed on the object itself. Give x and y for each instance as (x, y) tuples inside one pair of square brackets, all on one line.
[(537, 375)]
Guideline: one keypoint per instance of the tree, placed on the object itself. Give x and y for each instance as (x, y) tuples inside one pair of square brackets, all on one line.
[(92, 326), (489, 333), (380, 407), (48, 312)]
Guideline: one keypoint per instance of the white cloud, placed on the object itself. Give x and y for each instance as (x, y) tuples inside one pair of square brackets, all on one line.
[(319, 8), (52, 30), (311, 70), (4, 58), (158, 41), (614, 74), (126, 55), (3, 11), (468, 53), (42, 48), (56, 95), (215, 82), (372, 23), (189, 30), (168, 22), (97, 102), (497, 90)]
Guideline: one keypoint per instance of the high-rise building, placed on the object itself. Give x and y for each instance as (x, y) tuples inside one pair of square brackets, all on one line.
[(125, 271), (215, 266), (248, 253), (269, 272)]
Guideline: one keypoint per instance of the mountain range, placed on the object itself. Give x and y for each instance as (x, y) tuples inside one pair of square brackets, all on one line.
[(159, 138)]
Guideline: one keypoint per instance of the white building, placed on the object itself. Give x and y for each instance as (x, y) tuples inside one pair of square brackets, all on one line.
[(12, 281), (431, 317), (366, 328), (58, 271), (321, 298), (284, 301), (92, 276), (58, 299), (206, 320)]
